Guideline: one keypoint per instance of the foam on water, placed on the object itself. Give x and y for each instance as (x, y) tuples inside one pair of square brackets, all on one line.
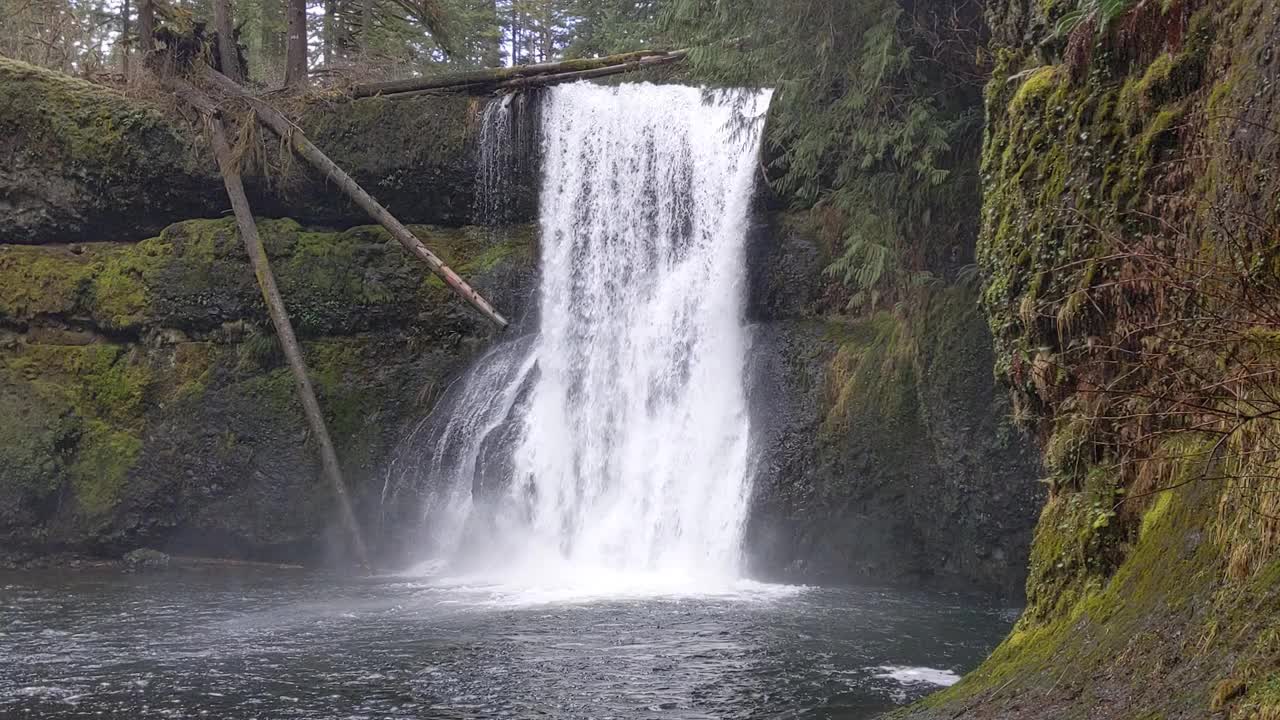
[(918, 675), (574, 587)]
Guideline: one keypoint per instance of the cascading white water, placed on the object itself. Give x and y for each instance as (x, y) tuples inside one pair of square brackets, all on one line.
[(629, 443), (635, 451), (493, 162)]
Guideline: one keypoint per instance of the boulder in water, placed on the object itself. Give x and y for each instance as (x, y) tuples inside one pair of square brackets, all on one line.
[(145, 559)]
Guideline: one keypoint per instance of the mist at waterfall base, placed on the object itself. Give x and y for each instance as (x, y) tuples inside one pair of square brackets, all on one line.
[(579, 496), (609, 452)]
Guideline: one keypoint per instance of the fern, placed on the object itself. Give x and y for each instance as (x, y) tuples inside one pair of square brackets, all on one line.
[(1102, 13)]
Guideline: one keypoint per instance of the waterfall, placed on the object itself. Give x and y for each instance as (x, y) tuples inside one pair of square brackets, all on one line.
[(505, 149), (615, 441)]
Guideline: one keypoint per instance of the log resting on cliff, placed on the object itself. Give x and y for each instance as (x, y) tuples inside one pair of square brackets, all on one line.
[(81, 162), (482, 82), (298, 141)]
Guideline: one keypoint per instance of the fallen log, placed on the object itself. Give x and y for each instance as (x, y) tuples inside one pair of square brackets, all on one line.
[(280, 125), (575, 75), (486, 81), (284, 329)]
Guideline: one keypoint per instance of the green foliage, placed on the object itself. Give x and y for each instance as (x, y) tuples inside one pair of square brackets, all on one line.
[(875, 120), (1100, 13), (67, 35), (605, 27)]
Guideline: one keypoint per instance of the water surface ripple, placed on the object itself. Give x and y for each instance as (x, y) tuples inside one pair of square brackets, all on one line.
[(301, 645)]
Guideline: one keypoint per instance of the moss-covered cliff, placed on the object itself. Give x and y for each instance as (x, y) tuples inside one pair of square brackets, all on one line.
[(148, 402), (1129, 243), (84, 163)]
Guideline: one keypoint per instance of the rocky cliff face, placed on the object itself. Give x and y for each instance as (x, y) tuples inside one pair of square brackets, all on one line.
[(888, 454), (151, 402), (148, 402), (83, 163), (1129, 242)]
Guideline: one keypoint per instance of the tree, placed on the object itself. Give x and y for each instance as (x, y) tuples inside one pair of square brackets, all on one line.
[(147, 24), (372, 39), (295, 68), (874, 121), (227, 51), (605, 27)]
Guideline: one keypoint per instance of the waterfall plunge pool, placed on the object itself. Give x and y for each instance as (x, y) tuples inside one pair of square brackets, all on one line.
[(282, 644)]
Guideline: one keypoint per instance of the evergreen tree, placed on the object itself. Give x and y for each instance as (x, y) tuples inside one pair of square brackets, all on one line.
[(605, 27), (873, 122)]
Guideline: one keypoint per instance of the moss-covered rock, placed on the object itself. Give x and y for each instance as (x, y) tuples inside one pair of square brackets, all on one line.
[(148, 398), (1151, 591), (192, 278), (84, 163)]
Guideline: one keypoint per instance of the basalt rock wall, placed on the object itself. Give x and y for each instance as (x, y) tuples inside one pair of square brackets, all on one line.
[(887, 454)]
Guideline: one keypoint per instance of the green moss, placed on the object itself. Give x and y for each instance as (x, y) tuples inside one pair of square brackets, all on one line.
[(1036, 87), (193, 365), (1223, 91), (1089, 625), (103, 391), (1158, 130), (1139, 93), (98, 475), (871, 378), (1122, 593), (40, 281), (1153, 514), (334, 367), (31, 441), (120, 298), (100, 381), (510, 250), (85, 125), (1069, 452)]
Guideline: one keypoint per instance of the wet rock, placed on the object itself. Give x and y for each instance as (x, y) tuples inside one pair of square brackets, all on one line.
[(145, 559), (885, 452)]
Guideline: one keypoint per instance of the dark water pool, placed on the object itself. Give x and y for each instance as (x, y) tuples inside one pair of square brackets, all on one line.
[(289, 644)]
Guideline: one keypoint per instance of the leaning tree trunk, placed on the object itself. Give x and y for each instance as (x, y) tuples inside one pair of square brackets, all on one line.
[(284, 330), (287, 131)]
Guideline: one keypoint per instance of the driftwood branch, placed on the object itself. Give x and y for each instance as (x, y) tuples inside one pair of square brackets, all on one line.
[(482, 82), (287, 131)]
